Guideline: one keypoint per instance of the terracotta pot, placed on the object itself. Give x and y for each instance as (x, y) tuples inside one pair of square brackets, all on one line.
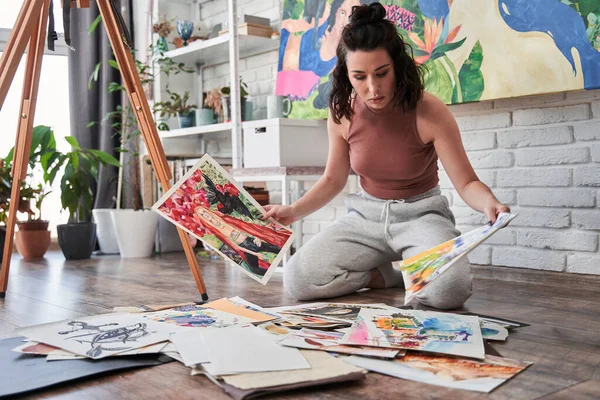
[(32, 239)]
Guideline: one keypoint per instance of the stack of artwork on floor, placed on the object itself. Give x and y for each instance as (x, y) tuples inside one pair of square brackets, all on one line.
[(292, 346)]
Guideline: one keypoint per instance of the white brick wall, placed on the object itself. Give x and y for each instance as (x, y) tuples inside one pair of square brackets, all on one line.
[(539, 154), (554, 142)]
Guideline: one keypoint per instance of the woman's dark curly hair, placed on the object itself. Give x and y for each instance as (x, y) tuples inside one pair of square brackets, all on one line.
[(368, 30)]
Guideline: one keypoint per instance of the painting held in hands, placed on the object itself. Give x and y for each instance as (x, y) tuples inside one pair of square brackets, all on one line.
[(423, 268), (211, 206)]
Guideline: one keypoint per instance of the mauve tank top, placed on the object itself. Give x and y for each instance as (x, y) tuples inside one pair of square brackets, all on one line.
[(388, 154)]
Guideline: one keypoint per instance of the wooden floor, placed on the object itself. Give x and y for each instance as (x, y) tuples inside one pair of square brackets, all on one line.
[(563, 340)]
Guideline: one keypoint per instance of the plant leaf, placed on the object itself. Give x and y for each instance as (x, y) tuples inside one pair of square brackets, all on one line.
[(72, 141), (94, 24), (445, 48), (470, 75), (105, 158), (114, 64)]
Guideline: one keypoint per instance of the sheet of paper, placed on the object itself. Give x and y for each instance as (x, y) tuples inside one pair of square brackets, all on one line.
[(191, 346), (420, 270), (453, 372), (342, 312), (429, 331), (493, 331), (98, 336), (322, 366), (237, 350), (207, 203), (230, 307)]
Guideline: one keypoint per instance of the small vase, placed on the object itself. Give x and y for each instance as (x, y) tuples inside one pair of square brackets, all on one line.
[(205, 116), (162, 45), (187, 120), (185, 30)]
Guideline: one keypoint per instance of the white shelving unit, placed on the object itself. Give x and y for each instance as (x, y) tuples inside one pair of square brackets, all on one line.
[(200, 54), (216, 50)]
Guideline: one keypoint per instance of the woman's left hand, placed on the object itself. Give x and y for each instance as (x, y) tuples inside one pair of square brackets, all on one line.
[(492, 208)]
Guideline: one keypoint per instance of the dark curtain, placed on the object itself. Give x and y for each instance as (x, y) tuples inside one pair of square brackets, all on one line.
[(92, 104)]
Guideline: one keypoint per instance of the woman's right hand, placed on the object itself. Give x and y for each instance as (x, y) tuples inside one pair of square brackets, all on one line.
[(285, 215)]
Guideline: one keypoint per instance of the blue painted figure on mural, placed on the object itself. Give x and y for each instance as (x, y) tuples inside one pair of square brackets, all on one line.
[(563, 24)]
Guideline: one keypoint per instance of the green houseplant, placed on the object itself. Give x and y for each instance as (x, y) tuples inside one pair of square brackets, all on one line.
[(33, 237), (178, 106), (77, 238), (113, 236)]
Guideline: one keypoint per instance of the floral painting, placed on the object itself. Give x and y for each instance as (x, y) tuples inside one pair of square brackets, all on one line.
[(211, 206), (468, 50)]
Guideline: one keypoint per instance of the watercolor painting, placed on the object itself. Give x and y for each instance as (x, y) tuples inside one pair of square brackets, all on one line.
[(421, 269), (193, 316), (240, 309), (492, 331), (98, 336), (429, 331), (468, 50), (211, 206), (329, 341), (452, 372)]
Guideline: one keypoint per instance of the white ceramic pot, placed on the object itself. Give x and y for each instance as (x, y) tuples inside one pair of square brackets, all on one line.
[(136, 232), (105, 231)]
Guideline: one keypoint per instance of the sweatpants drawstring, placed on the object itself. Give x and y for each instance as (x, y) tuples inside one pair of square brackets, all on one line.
[(386, 211)]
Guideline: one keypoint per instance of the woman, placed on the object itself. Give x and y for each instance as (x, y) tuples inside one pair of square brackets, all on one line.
[(390, 132)]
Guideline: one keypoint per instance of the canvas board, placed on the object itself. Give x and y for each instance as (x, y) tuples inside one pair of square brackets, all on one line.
[(428, 331), (420, 270), (210, 205)]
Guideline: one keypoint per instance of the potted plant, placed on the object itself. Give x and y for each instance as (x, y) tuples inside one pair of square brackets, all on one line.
[(33, 237), (178, 106), (116, 227), (226, 101), (163, 29), (212, 108), (77, 238), (26, 195)]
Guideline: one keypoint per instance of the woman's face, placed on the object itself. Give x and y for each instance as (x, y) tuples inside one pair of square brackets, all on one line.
[(371, 74), (342, 15)]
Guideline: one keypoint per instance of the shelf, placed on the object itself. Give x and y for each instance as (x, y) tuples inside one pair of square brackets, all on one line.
[(216, 50), (195, 130)]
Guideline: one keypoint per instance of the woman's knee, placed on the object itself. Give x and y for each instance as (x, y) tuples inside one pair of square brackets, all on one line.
[(451, 290)]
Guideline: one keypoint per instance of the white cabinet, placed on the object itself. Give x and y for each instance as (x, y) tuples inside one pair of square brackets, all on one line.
[(282, 142)]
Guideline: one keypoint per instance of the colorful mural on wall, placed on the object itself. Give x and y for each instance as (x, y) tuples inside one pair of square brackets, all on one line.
[(470, 50)]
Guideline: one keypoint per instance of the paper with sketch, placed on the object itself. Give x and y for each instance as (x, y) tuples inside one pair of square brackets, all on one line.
[(329, 341), (194, 316), (420, 270), (98, 336), (452, 372), (429, 331), (341, 312), (210, 205), (236, 350)]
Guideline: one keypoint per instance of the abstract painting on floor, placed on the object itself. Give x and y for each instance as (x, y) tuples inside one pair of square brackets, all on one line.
[(443, 333), (470, 50), (211, 206)]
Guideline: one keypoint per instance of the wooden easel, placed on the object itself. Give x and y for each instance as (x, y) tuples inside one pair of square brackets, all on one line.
[(31, 28)]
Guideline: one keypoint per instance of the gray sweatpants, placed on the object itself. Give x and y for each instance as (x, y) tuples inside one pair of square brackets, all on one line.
[(373, 234)]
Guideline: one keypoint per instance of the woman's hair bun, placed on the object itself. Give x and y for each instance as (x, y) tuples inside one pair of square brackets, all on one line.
[(367, 14)]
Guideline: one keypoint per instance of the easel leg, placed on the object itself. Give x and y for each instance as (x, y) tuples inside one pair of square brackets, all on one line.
[(146, 124), (24, 132)]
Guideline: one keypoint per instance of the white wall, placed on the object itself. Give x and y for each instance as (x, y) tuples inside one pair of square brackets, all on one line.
[(540, 155)]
